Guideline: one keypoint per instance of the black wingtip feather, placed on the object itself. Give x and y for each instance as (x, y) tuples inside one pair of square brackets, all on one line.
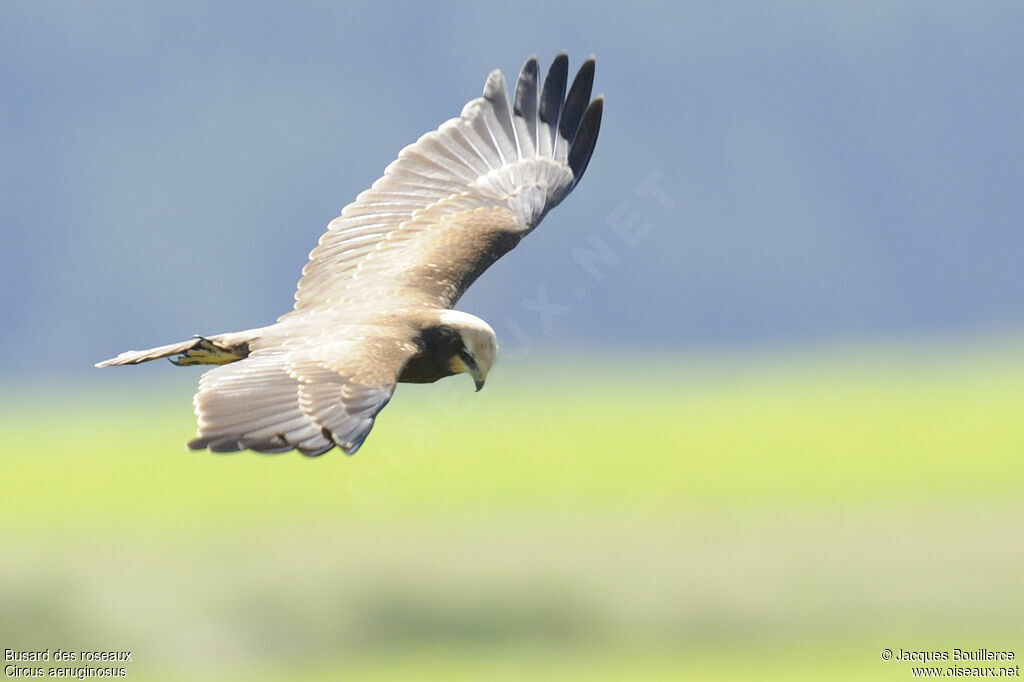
[(525, 105), (577, 100), (272, 446), (553, 94), (586, 139), (230, 444)]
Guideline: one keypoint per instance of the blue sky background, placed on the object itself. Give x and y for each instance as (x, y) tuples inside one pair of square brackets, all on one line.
[(822, 171)]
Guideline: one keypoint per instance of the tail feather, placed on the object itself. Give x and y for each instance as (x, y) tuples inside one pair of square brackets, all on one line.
[(196, 351)]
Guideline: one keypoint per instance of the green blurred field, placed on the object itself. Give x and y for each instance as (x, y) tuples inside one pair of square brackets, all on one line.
[(722, 518)]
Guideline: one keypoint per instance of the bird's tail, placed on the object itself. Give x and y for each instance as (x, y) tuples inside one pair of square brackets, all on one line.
[(199, 350)]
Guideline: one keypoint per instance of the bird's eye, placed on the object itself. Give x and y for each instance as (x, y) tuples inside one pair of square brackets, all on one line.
[(467, 358)]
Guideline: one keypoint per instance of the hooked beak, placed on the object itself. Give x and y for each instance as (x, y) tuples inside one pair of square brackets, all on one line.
[(464, 362)]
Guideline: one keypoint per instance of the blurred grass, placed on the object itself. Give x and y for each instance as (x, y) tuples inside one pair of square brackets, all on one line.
[(829, 431), (733, 518)]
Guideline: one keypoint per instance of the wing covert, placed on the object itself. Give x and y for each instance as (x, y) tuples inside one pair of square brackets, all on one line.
[(309, 395), (512, 162)]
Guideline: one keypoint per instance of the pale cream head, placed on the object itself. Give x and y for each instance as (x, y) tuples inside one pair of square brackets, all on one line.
[(480, 342)]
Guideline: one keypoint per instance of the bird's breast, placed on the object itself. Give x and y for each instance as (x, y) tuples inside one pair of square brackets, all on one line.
[(433, 362)]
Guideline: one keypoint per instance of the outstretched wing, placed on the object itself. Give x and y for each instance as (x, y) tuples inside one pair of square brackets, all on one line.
[(459, 197), (308, 393)]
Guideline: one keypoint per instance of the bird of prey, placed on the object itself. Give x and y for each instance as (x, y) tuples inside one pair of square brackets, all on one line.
[(374, 304)]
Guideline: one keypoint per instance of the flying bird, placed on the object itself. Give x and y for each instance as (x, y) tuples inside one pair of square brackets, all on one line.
[(374, 304)]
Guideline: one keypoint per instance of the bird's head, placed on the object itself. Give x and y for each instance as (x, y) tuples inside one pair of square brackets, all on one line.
[(476, 353)]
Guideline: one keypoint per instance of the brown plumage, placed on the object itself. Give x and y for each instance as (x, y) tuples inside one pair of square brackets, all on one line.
[(373, 306)]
